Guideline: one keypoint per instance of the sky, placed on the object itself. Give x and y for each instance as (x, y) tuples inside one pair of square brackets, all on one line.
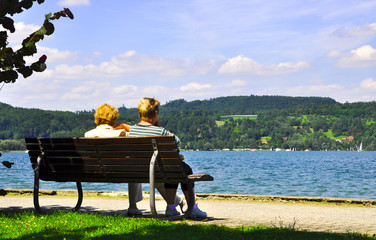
[(119, 51)]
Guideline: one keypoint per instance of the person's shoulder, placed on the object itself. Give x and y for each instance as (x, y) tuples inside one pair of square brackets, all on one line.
[(90, 133), (105, 131)]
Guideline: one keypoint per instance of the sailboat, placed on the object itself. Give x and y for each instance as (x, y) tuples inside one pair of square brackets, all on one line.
[(360, 147)]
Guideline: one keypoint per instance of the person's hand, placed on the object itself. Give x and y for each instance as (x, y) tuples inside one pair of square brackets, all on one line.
[(122, 126)]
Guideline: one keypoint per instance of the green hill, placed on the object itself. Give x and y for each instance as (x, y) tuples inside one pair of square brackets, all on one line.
[(284, 122)]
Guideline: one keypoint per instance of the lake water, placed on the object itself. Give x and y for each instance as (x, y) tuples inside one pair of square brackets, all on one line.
[(321, 174)]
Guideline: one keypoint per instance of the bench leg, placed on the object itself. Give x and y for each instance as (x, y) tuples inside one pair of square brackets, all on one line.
[(36, 186), (152, 184), (80, 196), (37, 207)]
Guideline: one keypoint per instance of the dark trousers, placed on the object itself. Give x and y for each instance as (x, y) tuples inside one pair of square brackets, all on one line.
[(187, 170)]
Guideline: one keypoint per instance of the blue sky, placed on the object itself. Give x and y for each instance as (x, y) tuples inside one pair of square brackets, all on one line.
[(119, 51)]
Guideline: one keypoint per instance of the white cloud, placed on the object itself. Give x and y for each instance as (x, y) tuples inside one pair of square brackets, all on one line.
[(94, 56), (368, 84), (125, 89), (203, 68), (244, 65), (124, 64), (316, 90), (54, 55), (362, 31), (130, 63), (22, 31), (362, 57), (335, 54), (193, 86), (237, 83), (68, 3)]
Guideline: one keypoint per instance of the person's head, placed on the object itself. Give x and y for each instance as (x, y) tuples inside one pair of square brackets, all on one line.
[(147, 109), (106, 114)]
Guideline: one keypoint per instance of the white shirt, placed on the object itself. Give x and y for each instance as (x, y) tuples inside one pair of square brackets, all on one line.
[(105, 130)]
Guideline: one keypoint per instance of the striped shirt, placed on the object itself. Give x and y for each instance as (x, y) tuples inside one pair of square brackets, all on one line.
[(150, 130)]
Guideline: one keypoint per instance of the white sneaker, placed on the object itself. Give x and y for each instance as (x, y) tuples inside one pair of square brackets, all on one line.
[(134, 212), (170, 213), (197, 213)]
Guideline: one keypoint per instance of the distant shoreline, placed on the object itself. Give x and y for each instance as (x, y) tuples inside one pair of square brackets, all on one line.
[(205, 196)]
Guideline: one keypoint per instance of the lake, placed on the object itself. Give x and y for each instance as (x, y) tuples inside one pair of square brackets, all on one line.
[(340, 174)]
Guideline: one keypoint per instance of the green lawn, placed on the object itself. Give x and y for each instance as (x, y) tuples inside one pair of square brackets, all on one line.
[(220, 123), (329, 134), (69, 225), (369, 122)]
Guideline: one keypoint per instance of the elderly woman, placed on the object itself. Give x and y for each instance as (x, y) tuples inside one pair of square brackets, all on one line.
[(105, 117)]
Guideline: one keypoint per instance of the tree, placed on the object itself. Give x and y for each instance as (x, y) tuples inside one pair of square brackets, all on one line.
[(12, 62)]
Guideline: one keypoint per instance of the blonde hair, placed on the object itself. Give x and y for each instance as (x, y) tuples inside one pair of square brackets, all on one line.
[(106, 114), (147, 107)]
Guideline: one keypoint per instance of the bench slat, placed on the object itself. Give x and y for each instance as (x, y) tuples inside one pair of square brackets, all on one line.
[(101, 141), (89, 176), (110, 147), (124, 154), (108, 168), (110, 161)]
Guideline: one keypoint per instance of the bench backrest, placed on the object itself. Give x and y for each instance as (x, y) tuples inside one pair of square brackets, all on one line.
[(116, 160)]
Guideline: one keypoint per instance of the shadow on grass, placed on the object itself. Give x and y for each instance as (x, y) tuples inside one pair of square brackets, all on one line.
[(58, 225)]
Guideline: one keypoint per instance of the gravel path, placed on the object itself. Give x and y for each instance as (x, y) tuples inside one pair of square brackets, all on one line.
[(328, 217)]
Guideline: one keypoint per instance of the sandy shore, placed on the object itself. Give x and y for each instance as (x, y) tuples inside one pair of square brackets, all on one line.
[(313, 214)]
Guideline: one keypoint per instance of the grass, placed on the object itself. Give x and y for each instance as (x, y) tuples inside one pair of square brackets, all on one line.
[(329, 134), (369, 122), (220, 123), (72, 225)]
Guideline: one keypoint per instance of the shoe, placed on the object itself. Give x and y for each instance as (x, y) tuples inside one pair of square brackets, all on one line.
[(197, 213), (134, 212), (171, 213)]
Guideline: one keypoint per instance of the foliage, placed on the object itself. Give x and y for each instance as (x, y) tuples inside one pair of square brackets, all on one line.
[(69, 225), (12, 62), (12, 145), (312, 126)]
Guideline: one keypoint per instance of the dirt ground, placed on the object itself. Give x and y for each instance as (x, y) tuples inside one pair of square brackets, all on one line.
[(336, 216)]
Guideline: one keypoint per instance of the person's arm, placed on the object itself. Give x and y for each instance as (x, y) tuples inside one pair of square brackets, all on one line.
[(166, 132), (122, 126)]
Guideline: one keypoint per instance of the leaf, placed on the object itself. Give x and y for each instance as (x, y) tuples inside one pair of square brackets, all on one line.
[(69, 13), (3, 39), (48, 16), (41, 31), (9, 76), (43, 58), (25, 71), (38, 66), (28, 50), (49, 27), (8, 23), (26, 4)]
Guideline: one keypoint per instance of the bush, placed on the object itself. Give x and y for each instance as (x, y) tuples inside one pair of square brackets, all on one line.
[(12, 145)]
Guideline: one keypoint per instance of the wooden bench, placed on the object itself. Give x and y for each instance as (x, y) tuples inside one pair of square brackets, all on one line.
[(109, 160)]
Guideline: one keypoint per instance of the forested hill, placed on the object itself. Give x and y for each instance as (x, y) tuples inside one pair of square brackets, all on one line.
[(246, 104), (282, 122)]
